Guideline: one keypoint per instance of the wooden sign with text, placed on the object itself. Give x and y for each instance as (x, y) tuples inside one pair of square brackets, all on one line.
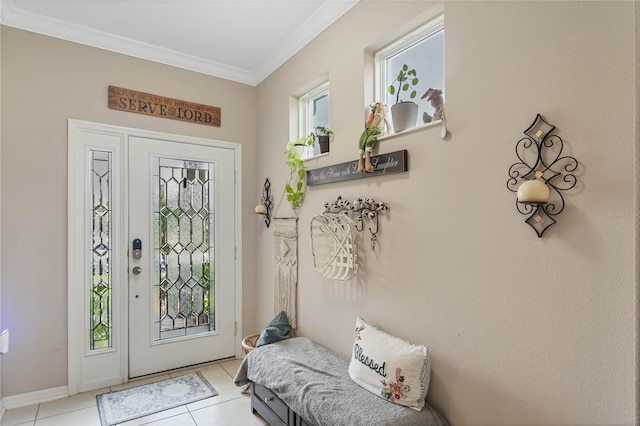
[(385, 164), (160, 106)]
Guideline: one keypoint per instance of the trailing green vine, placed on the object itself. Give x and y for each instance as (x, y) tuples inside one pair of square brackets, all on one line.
[(294, 188)]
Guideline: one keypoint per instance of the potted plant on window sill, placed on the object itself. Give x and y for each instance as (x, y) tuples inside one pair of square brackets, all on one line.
[(404, 114), (294, 185), (302, 144), (324, 136)]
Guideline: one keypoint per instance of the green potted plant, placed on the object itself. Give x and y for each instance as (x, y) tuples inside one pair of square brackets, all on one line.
[(294, 185), (324, 137), (302, 145), (404, 113)]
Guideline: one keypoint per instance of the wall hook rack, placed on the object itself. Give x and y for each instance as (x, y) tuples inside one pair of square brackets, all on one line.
[(365, 209), (541, 175)]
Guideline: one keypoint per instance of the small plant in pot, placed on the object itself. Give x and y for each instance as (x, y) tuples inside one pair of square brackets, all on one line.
[(295, 184), (302, 145), (324, 136), (404, 113)]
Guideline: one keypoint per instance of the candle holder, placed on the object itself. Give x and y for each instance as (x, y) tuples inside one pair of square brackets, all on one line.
[(541, 161), (266, 203)]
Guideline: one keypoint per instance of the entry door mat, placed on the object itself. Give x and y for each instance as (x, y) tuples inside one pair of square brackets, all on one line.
[(127, 404)]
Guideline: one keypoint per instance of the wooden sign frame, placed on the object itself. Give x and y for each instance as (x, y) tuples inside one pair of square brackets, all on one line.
[(163, 107), (385, 164)]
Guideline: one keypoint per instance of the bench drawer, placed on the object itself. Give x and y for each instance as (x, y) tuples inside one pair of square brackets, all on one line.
[(272, 402)]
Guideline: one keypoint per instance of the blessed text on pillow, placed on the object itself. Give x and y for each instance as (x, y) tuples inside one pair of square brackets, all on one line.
[(389, 366)]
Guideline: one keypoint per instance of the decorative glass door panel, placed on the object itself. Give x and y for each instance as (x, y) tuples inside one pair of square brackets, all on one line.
[(182, 281), (100, 286), (184, 221)]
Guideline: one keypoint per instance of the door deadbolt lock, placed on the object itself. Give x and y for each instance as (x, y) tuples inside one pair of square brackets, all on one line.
[(136, 248), (137, 270)]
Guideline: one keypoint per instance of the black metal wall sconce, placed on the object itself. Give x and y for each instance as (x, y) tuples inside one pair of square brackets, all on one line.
[(266, 203), (541, 175), (365, 210)]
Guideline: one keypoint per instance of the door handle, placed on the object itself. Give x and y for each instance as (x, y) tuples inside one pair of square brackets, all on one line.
[(137, 270)]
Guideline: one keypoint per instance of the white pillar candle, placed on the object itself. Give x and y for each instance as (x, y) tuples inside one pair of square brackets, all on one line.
[(533, 191), (261, 209)]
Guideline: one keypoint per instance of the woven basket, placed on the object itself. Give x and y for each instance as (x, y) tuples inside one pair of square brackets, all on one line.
[(249, 343), (333, 246)]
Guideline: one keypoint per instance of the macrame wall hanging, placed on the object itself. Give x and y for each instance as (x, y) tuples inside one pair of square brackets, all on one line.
[(286, 267)]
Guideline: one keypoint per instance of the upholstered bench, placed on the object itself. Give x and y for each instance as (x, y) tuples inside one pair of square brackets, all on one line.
[(298, 382)]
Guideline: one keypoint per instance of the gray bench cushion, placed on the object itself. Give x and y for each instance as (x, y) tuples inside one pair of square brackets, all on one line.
[(314, 382)]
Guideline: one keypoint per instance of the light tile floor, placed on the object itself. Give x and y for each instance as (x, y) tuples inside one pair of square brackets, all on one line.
[(228, 408)]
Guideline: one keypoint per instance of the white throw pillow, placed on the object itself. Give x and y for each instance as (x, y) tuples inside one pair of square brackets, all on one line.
[(389, 366)]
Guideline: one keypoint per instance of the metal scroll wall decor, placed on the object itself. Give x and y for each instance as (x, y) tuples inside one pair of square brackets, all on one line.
[(365, 210), (266, 203), (541, 175)]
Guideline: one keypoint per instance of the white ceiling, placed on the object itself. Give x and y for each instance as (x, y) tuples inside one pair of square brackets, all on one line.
[(239, 40)]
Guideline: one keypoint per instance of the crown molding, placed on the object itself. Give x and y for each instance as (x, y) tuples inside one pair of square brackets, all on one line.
[(326, 15), (12, 17)]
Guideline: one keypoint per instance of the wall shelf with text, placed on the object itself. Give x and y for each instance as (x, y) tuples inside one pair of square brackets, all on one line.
[(385, 164)]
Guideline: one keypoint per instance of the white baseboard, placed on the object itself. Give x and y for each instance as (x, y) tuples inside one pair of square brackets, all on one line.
[(24, 399)]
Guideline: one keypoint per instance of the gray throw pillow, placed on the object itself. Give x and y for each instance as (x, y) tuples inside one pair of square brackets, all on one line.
[(278, 329)]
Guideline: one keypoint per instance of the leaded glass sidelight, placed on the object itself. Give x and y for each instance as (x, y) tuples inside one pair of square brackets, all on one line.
[(100, 285), (184, 287)]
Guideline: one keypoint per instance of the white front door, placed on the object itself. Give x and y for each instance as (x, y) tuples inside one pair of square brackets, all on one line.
[(181, 279), (174, 302)]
